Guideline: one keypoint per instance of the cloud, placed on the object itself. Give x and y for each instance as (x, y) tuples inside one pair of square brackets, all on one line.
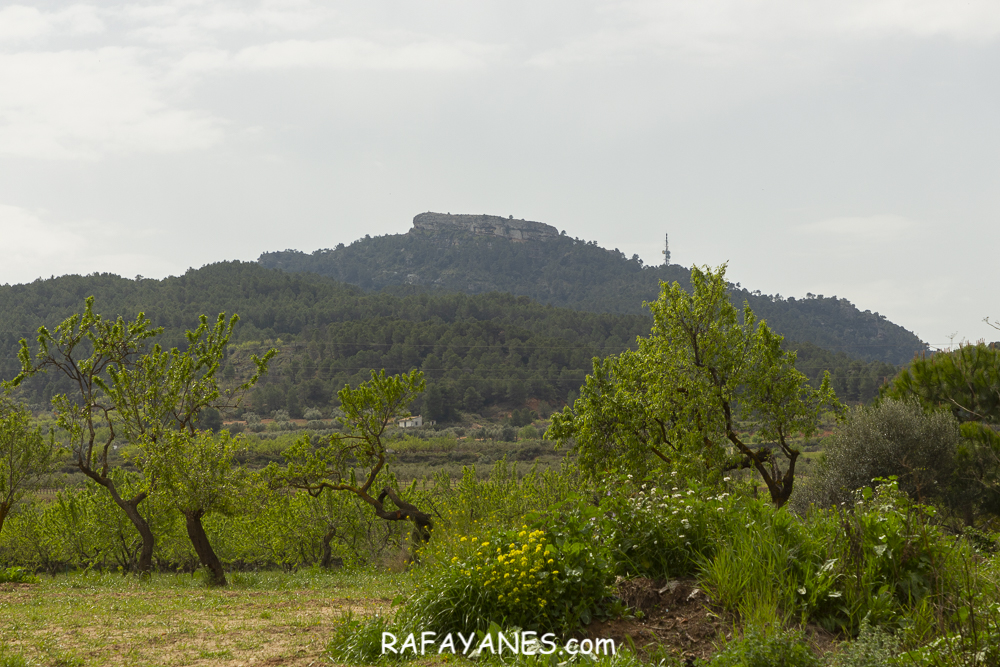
[(21, 23), (92, 103), (35, 247), (861, 228), (28, 242), (728, 32), (364, 54)]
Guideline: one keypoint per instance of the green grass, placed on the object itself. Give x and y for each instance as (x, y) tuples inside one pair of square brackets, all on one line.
[(175, 620)]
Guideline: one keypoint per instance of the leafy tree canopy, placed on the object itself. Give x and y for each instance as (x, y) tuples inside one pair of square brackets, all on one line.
[(705, 373)]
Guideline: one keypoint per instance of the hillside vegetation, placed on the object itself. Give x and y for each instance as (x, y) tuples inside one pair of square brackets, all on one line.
[(576, 274), (477, 351)]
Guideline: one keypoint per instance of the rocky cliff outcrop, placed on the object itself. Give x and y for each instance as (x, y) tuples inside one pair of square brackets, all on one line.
[(485, 225)]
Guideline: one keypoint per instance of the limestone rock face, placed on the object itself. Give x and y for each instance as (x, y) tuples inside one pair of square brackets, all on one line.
[(485, 225)]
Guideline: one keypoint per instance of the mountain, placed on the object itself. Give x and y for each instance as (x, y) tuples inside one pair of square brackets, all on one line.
[(479, 352), (476, 254)]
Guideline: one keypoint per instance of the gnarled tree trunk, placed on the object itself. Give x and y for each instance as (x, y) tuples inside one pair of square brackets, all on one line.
[(131, 509), (199, 539)]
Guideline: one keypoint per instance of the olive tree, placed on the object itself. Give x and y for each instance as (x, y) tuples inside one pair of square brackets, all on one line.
[(354, 461), (891, 438), (130, 390), (26, 455), (705, 376), (966, 383)]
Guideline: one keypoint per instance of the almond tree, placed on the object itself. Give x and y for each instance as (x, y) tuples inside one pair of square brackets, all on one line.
[(355, 461), (128, 391), (706, 374), (200, 475), (25, 455)]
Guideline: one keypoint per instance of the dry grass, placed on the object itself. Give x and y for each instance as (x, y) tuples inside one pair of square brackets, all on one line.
[(114, 620)]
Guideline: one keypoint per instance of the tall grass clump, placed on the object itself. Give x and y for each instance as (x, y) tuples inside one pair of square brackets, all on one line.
[(881, 559)]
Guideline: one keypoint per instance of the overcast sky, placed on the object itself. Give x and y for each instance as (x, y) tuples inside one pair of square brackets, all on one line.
[(844, 147)]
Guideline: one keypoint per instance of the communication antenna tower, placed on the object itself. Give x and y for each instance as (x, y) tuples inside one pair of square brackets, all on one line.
[(666, 249)]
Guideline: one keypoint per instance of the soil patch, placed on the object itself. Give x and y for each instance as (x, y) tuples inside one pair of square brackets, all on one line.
[(678, 619)]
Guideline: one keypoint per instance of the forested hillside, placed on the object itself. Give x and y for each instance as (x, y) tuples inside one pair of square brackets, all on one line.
[(478, 351), (572, 273)]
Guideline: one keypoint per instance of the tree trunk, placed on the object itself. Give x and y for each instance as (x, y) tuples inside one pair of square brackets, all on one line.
[(131, 509), (199, 540), (328, 559)]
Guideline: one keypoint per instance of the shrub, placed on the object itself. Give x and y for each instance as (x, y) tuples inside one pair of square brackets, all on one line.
[(528, 432), (548, 575), (874, 647), (17, 575), (760, 649), (312, 414), (662, 531), (281, 416), (892, 438)]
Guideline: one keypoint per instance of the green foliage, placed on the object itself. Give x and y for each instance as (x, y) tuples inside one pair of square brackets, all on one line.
[(489, 350), (893, 438), (661, 532), (550, 574), (702, 374), (359, 453), (972, 637), (767, 649), (17, 575), (855, 379), (568, 272), (966, 381), (874, 647), (358, 640), (528, 432), (198, 472), (25, 455)]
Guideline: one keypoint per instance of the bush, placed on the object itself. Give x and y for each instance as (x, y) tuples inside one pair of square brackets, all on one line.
[(281, 416), (760, 649), (548, 575), (17, 575), (660, 532), (312, 414), (892, 438), (528, 432), (874, 647)]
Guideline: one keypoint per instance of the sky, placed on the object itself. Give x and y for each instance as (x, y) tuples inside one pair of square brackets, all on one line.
[(841, 147)]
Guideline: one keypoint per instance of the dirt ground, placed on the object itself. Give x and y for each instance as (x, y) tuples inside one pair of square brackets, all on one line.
[(677, 619)]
